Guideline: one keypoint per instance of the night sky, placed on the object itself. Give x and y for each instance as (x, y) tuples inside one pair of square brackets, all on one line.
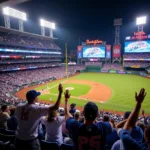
[(84, 19)]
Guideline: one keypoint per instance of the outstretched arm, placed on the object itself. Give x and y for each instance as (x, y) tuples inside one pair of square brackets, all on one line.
[(135, 113), (57, 104), (121, 124), (67, 96)]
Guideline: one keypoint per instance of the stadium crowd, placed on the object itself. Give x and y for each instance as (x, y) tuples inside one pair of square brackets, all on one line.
[(37, 126), (26, 41), (93, 63), (140, 64), (12, 80), (39, 65), (112, 67), (137, 56), (25, 61)]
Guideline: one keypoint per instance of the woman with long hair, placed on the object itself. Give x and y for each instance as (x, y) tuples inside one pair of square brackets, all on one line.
[(53, 124)]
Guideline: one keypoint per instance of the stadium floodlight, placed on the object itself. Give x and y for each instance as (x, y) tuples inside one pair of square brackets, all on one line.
[(141, 20), (47, 24), (14, 13)]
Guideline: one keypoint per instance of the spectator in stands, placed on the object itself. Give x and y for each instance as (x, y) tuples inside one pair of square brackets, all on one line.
[(84, 134), (72, 109), (125, 135), (28, 116), (53, 124), (136, 133), (106, 118), (4, 115), (12, 121), (77, 116), (112, 137)]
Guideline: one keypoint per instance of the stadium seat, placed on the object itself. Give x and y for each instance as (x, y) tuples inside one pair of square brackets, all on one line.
[(67, 147), (49, 145), (7, 132), (6, 141), (6, 138)]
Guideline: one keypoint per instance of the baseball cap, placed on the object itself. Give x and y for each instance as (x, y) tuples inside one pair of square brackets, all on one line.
[(32, 94), (90, 111)]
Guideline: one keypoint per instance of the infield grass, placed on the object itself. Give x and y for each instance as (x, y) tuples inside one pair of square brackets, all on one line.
[(123, 90)]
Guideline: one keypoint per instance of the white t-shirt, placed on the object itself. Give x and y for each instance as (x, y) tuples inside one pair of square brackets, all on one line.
[(54, 129), (28, 120)]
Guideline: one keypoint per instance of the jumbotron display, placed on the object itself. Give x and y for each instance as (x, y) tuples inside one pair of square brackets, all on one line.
[(94, 52), (137, 46)]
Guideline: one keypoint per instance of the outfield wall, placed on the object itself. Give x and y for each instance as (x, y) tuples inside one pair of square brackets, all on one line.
[(93, 68)]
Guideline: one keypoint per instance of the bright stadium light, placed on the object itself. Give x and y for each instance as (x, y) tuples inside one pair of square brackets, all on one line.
[(47, 24), (141, 20), (14, 13)]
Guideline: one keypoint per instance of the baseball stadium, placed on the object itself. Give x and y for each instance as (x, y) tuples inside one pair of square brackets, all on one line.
[(37, 73)]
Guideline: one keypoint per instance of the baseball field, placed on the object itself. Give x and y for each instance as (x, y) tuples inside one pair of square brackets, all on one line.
[(113, 92)]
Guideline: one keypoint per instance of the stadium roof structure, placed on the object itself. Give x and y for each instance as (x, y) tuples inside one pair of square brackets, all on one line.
[(17, 32), (4, 3)]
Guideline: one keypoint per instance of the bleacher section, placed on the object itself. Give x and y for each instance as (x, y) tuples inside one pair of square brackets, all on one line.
[(24, 51), (136, 61)]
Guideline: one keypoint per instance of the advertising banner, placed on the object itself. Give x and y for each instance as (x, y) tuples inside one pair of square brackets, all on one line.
[(108, 51), (79, 48), (116, 51), (79, 51)]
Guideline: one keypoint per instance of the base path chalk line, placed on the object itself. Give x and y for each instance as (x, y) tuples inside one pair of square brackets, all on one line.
[(86, 99), (49, 88)]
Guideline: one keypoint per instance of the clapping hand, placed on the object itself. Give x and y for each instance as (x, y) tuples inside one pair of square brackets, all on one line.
[(140, 97), (67, 95), (60, 88)]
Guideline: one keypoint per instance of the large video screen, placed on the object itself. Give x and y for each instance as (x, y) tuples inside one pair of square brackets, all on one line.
[(94, 52), (137, 47)]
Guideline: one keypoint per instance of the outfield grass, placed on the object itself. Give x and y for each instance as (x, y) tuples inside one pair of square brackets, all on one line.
[(123, 90)]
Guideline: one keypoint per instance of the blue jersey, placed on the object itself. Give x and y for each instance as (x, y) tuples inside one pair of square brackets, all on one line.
[(88, 137), (130, 143)]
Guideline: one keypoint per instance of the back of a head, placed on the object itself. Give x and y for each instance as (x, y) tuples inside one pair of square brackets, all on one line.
[(12, 111), (137, 134), (141, 125), (90, 111), (77, 115), (126, 114), (51, 115), (3, 108), (106, 118)]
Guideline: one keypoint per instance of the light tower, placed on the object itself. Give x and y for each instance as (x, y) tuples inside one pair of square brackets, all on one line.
[(47, 24), (10, 12), (140, 21), (117, 45)]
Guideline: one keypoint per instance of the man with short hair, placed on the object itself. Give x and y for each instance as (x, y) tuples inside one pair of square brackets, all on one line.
[(28, 116), (88, 135), (4, 116), (106, 118), (77, 116)]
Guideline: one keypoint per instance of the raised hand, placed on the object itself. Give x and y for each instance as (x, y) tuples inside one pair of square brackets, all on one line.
[(140, 97), (60, 88), (143, 112), (67, 95)]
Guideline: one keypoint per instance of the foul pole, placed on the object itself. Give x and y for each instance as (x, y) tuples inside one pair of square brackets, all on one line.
[(66, 60)]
